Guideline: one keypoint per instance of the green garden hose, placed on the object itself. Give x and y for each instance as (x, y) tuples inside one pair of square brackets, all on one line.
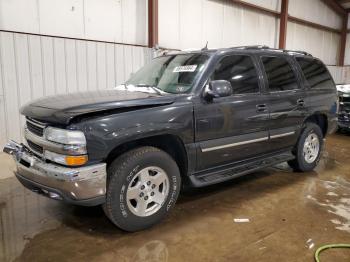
[(320, 249)]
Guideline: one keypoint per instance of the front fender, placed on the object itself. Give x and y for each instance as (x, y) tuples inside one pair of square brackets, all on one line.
[(105, 133)]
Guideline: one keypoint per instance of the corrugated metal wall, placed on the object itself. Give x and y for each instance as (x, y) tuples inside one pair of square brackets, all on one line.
[(341, 74), (319, 43), (347, 49), (189, 24), (123, 21), (34, 66), (315, 11)]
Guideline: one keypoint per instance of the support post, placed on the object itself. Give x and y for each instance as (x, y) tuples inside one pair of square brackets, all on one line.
[(283, 24), (152, 23), (344, 30)]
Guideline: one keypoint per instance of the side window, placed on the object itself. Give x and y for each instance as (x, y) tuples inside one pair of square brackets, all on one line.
[(280, 74), (316, 73), (240, 71)]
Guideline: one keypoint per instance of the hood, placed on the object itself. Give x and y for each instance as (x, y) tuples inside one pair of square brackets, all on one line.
[(61, 109)]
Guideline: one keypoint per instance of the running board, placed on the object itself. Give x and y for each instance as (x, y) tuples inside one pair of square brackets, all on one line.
[(208, 178)]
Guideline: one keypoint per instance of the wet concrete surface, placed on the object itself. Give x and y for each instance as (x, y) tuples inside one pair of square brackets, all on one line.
[(289, 216)]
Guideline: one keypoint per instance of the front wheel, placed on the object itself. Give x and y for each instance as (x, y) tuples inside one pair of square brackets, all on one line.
[(143, 186), (308, 149)]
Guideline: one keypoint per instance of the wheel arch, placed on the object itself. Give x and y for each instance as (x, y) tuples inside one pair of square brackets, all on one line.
[(319, 119), (170, 143)]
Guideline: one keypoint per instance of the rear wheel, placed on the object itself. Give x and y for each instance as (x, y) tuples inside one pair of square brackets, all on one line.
[(308, 149), (142, 188)]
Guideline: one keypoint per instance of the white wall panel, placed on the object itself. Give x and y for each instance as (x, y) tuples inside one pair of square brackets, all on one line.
[(269, 4), (101, 66), (12, 10), (35, 66), (61, 17), (60, 66), (315, 11), (213, 13), (135, 22), (48, 63), (341, 74), (347, 50), (123, 21), (10, 85), (104, 21), (322, 44), (168, 26), (190, 24)]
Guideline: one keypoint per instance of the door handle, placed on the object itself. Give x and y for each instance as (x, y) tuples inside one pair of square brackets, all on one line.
[(301, 102), (261, 108)]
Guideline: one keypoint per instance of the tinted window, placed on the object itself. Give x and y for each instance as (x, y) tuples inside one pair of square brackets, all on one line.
[(315, 73), (279, 73), (240, 71)]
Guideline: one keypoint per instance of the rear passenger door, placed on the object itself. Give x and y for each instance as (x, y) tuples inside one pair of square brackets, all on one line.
[(321, 90), (286, 104)]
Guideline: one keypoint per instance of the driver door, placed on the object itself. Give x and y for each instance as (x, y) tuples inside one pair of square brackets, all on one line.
[(233, 128)]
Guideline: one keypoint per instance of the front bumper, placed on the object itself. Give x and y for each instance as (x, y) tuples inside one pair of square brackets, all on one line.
[(82, 186)]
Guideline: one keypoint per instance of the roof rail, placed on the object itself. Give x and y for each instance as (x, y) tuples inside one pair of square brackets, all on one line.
[(265, 47), (297, 51), (252, 47)]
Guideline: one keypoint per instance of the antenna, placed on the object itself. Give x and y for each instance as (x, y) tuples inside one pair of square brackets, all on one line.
[(206, 47)]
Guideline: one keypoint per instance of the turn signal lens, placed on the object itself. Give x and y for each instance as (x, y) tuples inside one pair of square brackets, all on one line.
[(76, 160)]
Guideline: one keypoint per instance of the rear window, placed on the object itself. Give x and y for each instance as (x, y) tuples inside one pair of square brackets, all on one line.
[(316, 73), (279, 74)]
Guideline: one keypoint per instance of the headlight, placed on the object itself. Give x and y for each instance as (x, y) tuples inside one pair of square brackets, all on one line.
[(72, 146), (66, 160), (66, 137)]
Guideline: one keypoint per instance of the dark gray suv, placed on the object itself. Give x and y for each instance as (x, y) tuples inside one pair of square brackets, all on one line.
[(185, 119)]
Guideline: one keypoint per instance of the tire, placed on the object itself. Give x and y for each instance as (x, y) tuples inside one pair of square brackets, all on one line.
[(146, 170), (308, 161)]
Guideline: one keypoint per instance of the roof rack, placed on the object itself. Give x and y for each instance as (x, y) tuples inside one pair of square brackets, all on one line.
[(265, 47), (252, 47)]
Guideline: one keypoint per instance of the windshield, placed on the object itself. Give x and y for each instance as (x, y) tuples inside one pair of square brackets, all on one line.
[(172, 74)]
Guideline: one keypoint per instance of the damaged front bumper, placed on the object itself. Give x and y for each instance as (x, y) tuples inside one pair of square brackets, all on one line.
[(81, 186)]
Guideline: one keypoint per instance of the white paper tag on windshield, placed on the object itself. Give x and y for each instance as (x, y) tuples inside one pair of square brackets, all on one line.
[(186, 68)]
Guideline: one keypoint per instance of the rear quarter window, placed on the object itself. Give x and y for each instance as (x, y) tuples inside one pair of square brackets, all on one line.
[(316, 73)]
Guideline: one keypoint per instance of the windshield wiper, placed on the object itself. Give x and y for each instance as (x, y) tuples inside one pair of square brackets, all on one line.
[(154, 88)]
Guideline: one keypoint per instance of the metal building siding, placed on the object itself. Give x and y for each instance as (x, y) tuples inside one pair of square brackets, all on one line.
[(269, 4), (190, 24), (322, 44), (123, 21), (347, 51), (35, 66), (340, 74), (315, 11)]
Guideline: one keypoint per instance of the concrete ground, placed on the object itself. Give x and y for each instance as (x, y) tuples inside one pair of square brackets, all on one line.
[(289, 216)]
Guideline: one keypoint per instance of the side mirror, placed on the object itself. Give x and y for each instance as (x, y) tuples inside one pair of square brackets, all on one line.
[(218, 88)]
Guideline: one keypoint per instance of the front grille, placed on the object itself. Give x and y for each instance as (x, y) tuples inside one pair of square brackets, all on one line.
[(36, 148), (35, 128)]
